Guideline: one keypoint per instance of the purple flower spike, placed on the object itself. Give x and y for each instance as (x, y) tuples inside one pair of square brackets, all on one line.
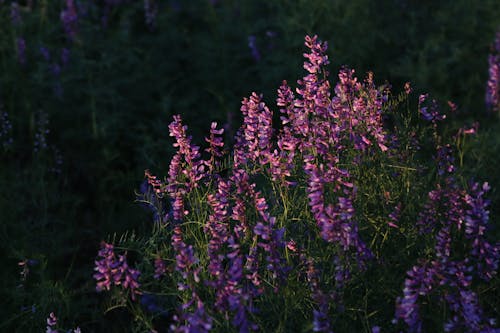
[(150, 13), (216, 144), (419, 283), (112, 270), (188, 155), (493, 85), (317, 58), (431, 113), (21, 50), (445, 160), (192, 322), (450, 210), (69, 19), (160, 268), (487, 256), (15, 14), (252, 44)]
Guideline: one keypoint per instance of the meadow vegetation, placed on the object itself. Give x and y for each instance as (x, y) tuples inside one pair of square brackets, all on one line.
[(353, 189)]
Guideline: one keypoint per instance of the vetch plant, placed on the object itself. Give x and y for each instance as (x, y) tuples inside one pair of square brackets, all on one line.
[(299, 225)]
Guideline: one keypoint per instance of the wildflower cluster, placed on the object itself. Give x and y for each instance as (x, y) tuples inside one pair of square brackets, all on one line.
[(283, 213), (451, 212)]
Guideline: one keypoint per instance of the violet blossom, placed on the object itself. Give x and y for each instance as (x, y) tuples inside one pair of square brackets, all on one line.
[(493, 84), (160, 268), (216, 144), (69, 19), (188, 319), (15, 13), (112, 270), (252, 44), (51, 323)]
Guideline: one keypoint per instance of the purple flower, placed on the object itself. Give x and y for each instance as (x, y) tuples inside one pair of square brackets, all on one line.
[(155, 183), (430, 112), (160, 268), (450, 210), (252, 44), (51, 323), (69, 19), (150, 200), (217, 228), (108, 270), (314, 88), (154, 304), (114, 270), (185, 257), (257, 127), (493, 85), (486, 256), (21, 50), (193, 322), (188, 155), (317, 58), (216, 144), (445, 160), (336, 222), (226, 266), (408, 88), (321, 321), (15, 14), (150, 13), (420, 282), (394, 216), (130, 277), (321, 317), (185, 171)]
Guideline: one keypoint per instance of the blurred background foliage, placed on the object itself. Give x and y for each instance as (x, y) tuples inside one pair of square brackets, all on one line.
[(102, 100)]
